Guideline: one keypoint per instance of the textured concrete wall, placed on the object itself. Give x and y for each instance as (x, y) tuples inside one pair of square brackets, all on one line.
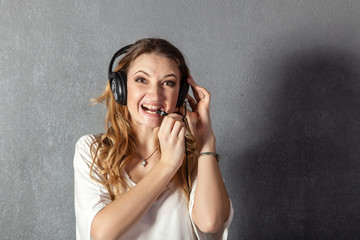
[(284, 77)]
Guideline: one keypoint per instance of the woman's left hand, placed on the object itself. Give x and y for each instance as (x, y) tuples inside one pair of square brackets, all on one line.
[(211, 201), (199, 117)]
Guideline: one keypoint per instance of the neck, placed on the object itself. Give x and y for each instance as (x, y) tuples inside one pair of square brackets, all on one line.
[(147, 139)]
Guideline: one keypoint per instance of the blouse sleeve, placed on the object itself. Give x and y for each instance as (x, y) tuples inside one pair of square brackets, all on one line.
[(90, 196), (222, 234)]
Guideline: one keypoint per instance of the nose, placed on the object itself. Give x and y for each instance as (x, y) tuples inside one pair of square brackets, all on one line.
[(155, 93)]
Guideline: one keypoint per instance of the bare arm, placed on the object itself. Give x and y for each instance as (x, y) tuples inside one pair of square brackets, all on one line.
[(211, 203), (118, 216)]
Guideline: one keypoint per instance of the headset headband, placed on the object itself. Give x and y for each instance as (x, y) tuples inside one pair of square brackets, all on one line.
[(116, 55)]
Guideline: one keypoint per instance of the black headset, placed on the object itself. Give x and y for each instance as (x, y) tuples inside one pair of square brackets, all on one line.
[(118, 80)]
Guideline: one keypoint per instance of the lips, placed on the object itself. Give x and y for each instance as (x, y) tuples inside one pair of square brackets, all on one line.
[(150, 108)]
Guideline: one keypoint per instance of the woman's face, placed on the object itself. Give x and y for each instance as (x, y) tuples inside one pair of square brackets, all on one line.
[(153, 83)]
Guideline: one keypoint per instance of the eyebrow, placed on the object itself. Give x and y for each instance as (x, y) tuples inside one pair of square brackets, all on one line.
[(171, 75), (167, 75), (142, 72)]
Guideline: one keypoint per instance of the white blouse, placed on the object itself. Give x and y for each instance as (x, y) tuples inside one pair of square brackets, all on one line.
[(168, 218)]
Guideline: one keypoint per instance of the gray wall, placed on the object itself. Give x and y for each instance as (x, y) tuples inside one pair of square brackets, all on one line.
[(284, 77)]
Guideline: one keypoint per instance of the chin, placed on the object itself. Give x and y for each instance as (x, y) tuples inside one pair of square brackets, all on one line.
[(148, 120), (150, 123)]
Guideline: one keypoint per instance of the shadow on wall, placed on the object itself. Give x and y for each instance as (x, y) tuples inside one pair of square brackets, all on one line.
[(304, 182)]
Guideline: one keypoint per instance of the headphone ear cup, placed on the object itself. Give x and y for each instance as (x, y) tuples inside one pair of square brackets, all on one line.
[(123, 87), (118, 86), (184, 88)]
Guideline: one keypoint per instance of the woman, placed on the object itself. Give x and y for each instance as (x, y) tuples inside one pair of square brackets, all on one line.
[(138, 180)]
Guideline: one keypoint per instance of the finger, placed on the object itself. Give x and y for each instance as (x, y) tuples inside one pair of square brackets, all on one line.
[(191, 82), (192, 102), (202, 92), (206, 96), (176, 128), (199, 92), (181, 134), (195, 88), (193, 85), (172, 120), (175, 116), (162, 125), (167, 125)]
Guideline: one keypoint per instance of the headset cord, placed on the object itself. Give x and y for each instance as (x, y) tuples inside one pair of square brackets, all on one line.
[(186, 157)]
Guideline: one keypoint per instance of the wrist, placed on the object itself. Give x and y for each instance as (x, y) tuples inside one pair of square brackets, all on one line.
[(213, 154), (209, 145), (168, 167)]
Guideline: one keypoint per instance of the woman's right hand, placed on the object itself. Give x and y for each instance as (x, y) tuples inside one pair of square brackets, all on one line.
[(119, 215), (172, 140)]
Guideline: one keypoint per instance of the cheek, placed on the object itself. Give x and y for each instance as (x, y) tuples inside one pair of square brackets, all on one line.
[(172, 97), (133, 95)]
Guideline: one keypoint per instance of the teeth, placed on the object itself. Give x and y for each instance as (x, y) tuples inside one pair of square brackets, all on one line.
[(151, 107)]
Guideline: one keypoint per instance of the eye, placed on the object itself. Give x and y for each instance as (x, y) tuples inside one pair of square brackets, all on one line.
[(140, 80), (169, 83)]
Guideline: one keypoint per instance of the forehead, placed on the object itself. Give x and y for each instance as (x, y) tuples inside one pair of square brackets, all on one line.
[(154, 63)]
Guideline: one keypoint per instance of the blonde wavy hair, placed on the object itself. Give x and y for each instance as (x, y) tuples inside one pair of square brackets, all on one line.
[(112, 151)]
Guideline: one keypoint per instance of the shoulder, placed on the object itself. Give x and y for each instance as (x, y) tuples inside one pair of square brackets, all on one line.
[(83, 150), (83, 158), (85, 141)]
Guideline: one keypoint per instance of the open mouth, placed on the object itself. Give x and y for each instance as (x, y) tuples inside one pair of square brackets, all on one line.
[(150, 108)]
